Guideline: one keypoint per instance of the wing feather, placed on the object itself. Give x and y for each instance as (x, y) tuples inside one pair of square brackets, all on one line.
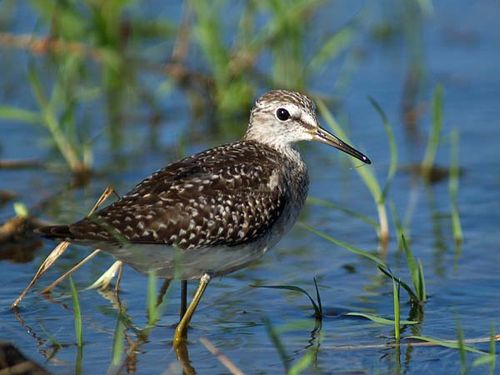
[(221, 196)]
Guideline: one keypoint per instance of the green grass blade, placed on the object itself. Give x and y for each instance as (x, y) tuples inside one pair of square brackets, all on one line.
[(79, 361), (456, 225), (77, 313), (405, 286), (151, 299), (50, 338), (302, 364), (318, 298), (416, 273), (278, 344), (434, 134), (380, 320), (451, 344), (489, 358), (18, 114), (461, 349), (118, 341), (52, 124), (421, 281), (294, 325), (397, 311), (493, 349), (345, 245), (486, 359), (453, 183), (410, 260), (332, 47), (398, 225), (393, 165), (328, 204), (317, 309)]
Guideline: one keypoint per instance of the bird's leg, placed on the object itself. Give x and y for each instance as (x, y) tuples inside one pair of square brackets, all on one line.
[(182, 354), (183, 308), (181, 330)]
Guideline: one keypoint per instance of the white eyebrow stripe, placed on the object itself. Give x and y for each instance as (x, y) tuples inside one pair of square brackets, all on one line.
[(308, 120)]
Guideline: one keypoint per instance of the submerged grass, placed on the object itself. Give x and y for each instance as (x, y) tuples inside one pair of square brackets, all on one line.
[(416, 271), (464, 368), (397, 310), (434, 134), (417, 294), (152, 305), (451, 344), (380, 320), (453, 183), (316, 304), (118, 338), (277, 343), (398, 225), (305, 361), (77, 314), (411, 293), (491, 357)]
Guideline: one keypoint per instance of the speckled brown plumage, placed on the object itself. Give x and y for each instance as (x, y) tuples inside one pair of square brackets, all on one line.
[(228, 195)]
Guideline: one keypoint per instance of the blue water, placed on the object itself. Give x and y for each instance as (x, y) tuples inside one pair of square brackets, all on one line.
[(461, 51)]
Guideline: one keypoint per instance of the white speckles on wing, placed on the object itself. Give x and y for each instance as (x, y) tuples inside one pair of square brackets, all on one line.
[(230, 195), (273, 180)]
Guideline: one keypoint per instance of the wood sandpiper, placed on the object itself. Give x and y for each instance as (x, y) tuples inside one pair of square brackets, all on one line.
[(214, 212)]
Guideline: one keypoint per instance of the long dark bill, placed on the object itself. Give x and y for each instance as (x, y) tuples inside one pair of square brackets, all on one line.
[(326, 137)]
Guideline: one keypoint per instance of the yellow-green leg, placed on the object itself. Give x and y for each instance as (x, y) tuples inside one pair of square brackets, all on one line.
[(181, 330)]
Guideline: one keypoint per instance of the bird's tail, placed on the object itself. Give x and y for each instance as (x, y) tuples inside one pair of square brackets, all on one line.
[(55, 232)]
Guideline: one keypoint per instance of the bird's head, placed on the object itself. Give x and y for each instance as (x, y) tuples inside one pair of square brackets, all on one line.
[(280, 118)]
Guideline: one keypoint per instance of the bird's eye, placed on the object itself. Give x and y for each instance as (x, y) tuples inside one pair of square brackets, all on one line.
[(282, 114)]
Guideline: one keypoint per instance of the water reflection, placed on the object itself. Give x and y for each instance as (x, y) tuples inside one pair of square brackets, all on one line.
[(48, 352)]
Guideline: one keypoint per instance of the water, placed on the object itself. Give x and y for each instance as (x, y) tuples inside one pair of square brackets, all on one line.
[(460, 51)]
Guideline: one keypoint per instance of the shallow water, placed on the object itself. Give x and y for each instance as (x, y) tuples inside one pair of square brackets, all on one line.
[(460, 51)]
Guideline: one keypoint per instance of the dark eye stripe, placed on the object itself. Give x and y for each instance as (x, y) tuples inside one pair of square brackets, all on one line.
[(306, 125)]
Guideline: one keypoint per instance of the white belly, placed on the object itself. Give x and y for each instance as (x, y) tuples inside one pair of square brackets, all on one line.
[(173, 263)]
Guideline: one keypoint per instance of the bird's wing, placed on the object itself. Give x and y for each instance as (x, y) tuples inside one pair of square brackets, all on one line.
[(201, 201)]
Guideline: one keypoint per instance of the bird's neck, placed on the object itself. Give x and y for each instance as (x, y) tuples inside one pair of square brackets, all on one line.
[(285, 150), (292, 168)]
